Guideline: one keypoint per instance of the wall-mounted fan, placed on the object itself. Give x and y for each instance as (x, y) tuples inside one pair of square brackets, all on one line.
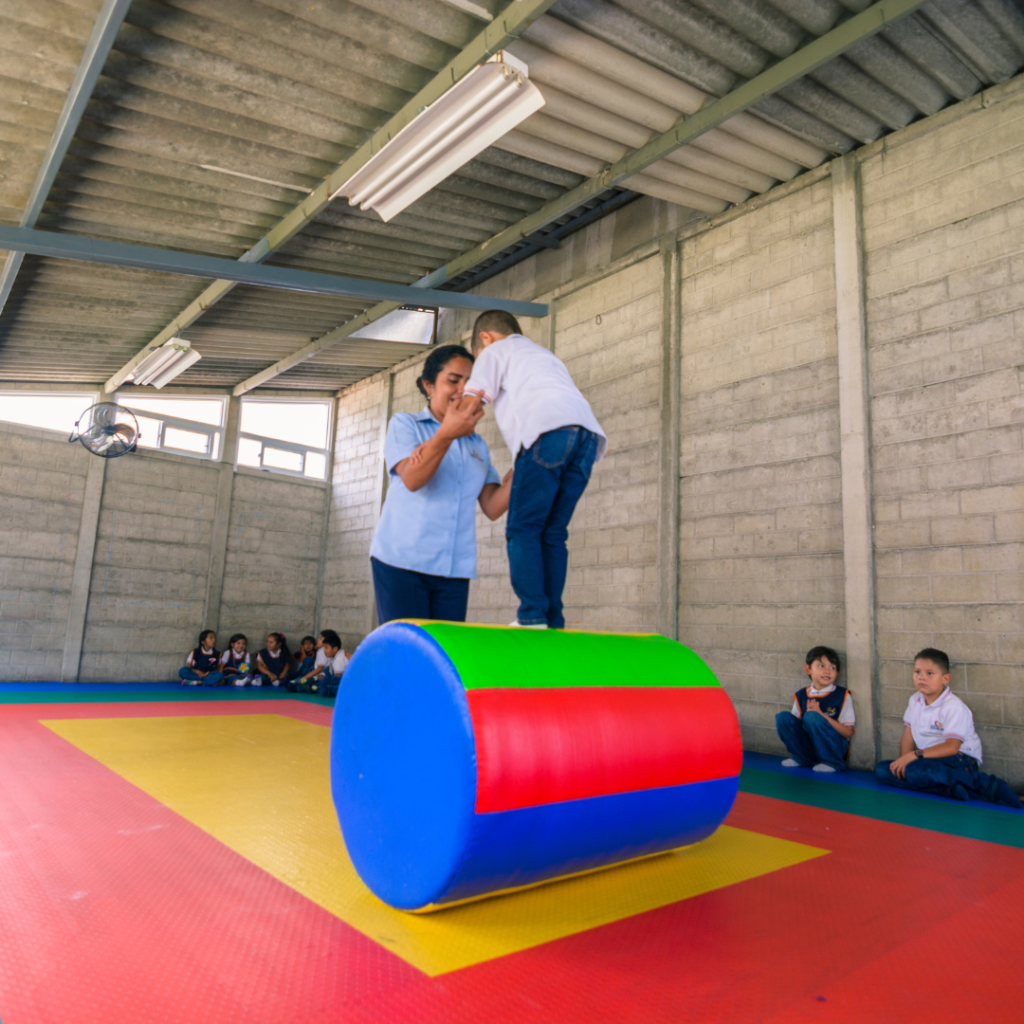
[(107, 430)]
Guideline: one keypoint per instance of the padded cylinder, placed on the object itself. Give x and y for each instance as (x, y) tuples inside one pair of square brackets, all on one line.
[(469, 760)]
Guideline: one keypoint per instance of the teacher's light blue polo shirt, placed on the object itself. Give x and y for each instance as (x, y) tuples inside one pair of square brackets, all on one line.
[(432, 530)]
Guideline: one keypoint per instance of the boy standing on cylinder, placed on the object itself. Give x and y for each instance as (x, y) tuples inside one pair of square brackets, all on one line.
[(554, 439)]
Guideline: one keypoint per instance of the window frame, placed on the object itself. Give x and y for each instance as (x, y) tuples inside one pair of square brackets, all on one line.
[(214, 433), (288, 446)]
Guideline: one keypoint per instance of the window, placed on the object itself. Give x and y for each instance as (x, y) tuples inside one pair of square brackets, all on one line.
[(290, 436), (52, 411), (182, 426)]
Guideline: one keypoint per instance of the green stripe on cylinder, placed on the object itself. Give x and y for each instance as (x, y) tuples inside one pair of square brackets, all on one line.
[(490, 657)]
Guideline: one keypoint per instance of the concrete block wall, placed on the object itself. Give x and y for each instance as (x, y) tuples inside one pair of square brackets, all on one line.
[(355, 503), (273, 554), (761, 571), (608, 334), (42, 483), (944, 260), (149, 574)]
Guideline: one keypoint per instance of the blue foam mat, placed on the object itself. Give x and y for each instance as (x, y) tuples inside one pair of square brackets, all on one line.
[(852, 777)]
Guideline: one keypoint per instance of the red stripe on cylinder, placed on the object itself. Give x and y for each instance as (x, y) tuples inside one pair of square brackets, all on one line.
[(539, 746)]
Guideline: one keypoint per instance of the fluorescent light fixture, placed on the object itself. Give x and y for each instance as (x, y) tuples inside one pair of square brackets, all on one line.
[(407, 325), (163, 364), (474, 113)]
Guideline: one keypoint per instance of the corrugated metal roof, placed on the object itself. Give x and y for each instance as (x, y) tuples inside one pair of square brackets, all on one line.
[(213, 118)]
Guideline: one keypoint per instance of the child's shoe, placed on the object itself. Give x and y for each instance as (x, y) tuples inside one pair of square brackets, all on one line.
[(790, 763), (959, 792), (255, 680), (529, 625), (240, 681), (823, 768)]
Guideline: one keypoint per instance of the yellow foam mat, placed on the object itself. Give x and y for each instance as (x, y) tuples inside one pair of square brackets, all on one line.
[(260, 785)]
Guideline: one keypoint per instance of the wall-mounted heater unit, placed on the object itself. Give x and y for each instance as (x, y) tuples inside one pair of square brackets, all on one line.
[(474, 113)]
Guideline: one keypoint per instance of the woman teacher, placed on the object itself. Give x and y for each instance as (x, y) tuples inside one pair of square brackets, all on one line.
[(423, 553)]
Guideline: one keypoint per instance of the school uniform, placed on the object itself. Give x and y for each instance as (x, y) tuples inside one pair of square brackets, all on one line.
[(236, 667), (555, 440), (204, 661), (277, 663), (809, 739), (333, 668), (958, 775)]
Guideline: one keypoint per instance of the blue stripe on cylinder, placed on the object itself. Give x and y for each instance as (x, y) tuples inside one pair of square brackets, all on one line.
[(534, 844)]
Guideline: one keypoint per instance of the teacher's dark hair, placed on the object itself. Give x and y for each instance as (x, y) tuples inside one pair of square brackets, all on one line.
[(437, 361)]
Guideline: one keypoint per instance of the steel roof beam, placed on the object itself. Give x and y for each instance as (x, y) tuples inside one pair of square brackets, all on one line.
[(108, 22), (120, 254), (510, 24), (805, 60)]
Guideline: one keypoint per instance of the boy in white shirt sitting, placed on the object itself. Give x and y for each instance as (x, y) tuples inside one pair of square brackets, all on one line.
[(940, 752), (817, 731), (554, 439), (326, 675)]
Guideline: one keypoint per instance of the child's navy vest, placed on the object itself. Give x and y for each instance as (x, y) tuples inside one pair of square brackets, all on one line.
[(205, 661), (277, 663), (830, 704), (237, 662)]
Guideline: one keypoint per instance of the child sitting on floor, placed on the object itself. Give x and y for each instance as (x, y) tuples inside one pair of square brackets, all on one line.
[(273, 662), (554, 439), (236, 664), (817, 730), (200, 667), (326, 676), (940, 752)]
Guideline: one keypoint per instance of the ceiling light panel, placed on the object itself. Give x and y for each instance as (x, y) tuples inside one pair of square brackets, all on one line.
[(476, 112)]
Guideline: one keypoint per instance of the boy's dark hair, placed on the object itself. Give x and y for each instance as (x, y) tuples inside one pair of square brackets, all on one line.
[(822, 652), (437, 361), (235, 637), (330, 638), (204, 634), (941, 658), (494, 320), (311, 639)]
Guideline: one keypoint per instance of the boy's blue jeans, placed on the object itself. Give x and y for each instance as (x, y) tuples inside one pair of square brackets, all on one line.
[(551, 476), (939, 775), (811, 740)]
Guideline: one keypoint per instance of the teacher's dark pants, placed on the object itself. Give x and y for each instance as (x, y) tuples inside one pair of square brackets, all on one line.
[(406, 594)]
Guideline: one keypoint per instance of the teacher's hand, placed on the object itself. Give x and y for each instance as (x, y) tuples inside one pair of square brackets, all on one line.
[(460, 419)]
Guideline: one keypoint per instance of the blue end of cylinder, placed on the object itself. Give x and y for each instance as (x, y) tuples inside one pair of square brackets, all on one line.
[(403, 766)]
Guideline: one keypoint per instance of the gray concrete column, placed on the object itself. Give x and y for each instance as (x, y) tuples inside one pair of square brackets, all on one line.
[(855, 460), (668, 511), (325, 529), (222, 518), (81, 578), (370, 620)]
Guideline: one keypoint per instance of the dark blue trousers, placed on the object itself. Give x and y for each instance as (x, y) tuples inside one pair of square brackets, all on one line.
[(550, 478), (958, 777), (406, 594), (811, 740)]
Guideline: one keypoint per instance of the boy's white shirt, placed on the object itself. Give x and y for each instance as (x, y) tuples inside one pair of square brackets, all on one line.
[(846, 714), (531, 391), (321, 659), (337, 663), (948, 718)]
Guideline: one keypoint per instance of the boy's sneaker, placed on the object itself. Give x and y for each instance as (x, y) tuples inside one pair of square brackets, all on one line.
[(823, 768), (529, 625), (790, 763)]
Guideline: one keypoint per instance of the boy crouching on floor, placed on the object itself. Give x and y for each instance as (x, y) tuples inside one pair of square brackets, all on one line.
[(940, 751), (817, 730)]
